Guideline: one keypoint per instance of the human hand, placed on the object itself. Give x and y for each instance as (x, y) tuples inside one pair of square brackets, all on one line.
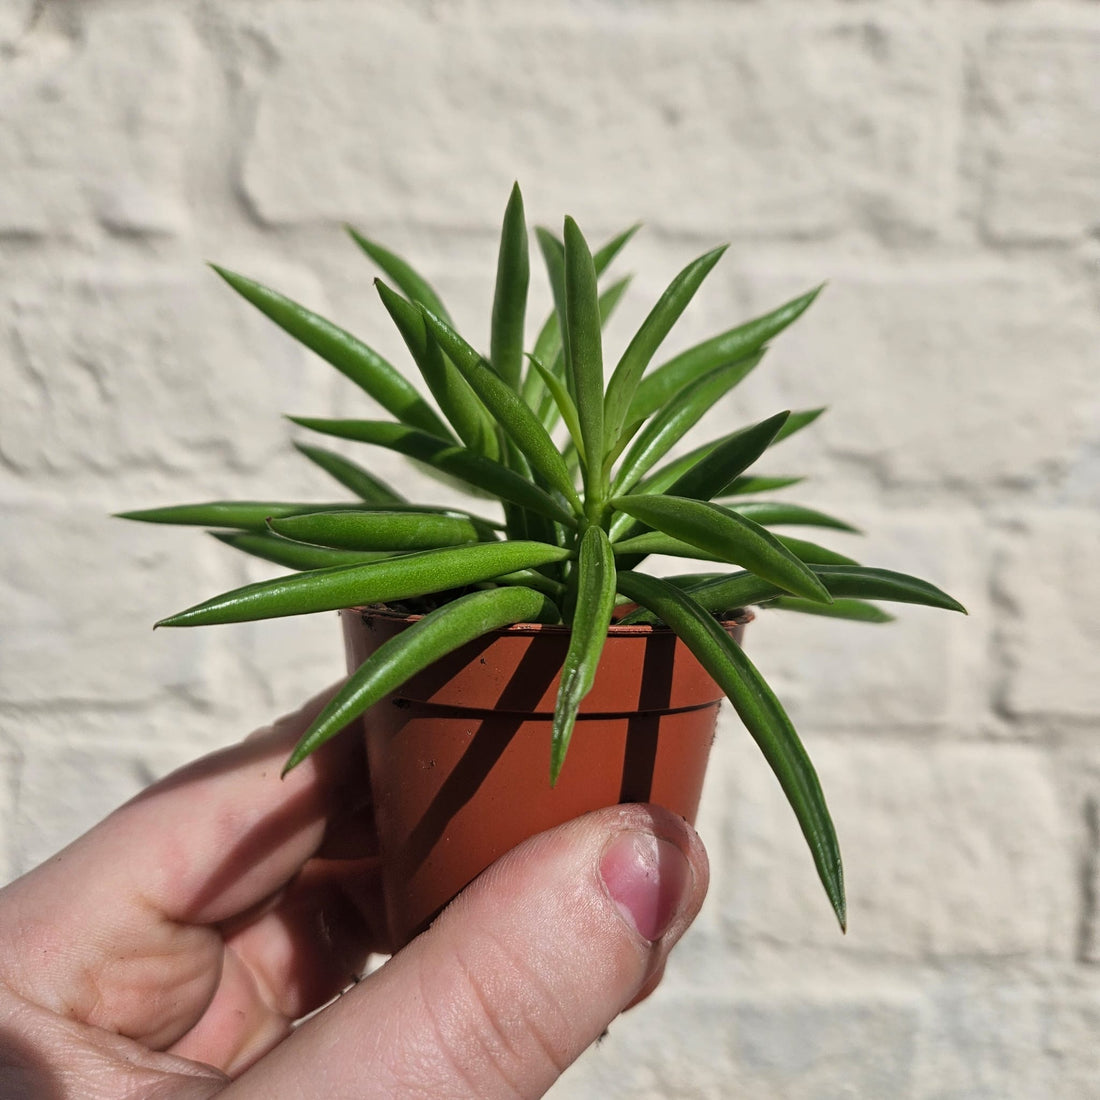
[(166, 954)]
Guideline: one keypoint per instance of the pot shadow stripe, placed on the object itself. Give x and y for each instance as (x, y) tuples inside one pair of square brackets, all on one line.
[(643, 731), (496, 729), (484, 750)]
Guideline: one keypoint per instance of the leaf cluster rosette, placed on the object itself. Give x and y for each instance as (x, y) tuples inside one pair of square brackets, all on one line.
[(582, 471)]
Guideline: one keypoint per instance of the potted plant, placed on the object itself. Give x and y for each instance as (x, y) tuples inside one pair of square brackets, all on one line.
[(470, 726)]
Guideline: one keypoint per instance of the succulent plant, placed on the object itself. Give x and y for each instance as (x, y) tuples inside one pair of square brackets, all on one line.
[(577, 519)]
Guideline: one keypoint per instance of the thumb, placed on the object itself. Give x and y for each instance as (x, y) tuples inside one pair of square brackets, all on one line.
[(516, 978)]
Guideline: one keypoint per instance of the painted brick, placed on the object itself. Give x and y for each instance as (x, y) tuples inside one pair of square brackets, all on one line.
[(1050, 636), (803, 1049), (930, 668), (950, 851), (1040, 131), (156, 368), (792, 126), (942, 376), (95, 123)]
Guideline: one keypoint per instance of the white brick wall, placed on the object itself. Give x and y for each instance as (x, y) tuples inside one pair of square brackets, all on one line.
[(938, 163)]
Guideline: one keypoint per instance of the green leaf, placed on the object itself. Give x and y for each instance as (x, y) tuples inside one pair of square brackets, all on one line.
[(812, 554), (732, 455), (412, 285), (563, 401), (380, 530), (770, 513), (609, 299), (709, 469), (451, 459), (585, 358), (797, 421), (551, 338), (245, 515), (842, 581), (508, 408), (602, 257), (292, 555), (452, 392), (395, 578), (728, 534), (364, 366), (421, 644), (641, 349), (750, 483), (736, 343), (351, 475), (510, 300), (762, 714), (672, 422), (630, 552), (595, 601), (853, 610)]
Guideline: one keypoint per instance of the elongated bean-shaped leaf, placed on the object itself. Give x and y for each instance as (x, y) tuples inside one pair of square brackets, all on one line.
[(609, 299), (736, 343), (709, 469), (843, 581), (630, 552), (728, 534), (670, 424), (293, 555), (460, 462), (641, 349), (751, 483), (812, 554), (427, 640), (351, 475), (364, 366), (560, 396), (771, 513), (380, 530), (797, 421), (547, 345), (595, 601), (395, 578), (510, 299), (585, 359), (243, 515), (762, 714), (413, 285), (508, 408), (452, 392), (858, 611), (734, 454)]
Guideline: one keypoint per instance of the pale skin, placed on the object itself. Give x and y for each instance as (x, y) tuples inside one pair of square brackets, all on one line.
[(166, 954)]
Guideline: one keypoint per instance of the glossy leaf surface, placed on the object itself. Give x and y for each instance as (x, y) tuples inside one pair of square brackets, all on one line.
[(729, 535), (350, 474), (349, 355), (292, 555), (595, 601), (762, 714), (427, 640), (413, 285), (451, 459), (508, 408), (641, 349), (395, 578), (380, 530), (510, 299)]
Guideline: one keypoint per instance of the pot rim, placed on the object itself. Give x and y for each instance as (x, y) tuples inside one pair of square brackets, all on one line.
[(738, 617)]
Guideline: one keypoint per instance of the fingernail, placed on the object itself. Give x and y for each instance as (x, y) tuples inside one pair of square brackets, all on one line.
[(648, 879)]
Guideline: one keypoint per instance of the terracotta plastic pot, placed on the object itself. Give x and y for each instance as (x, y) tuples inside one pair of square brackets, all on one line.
[(460, 757)]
